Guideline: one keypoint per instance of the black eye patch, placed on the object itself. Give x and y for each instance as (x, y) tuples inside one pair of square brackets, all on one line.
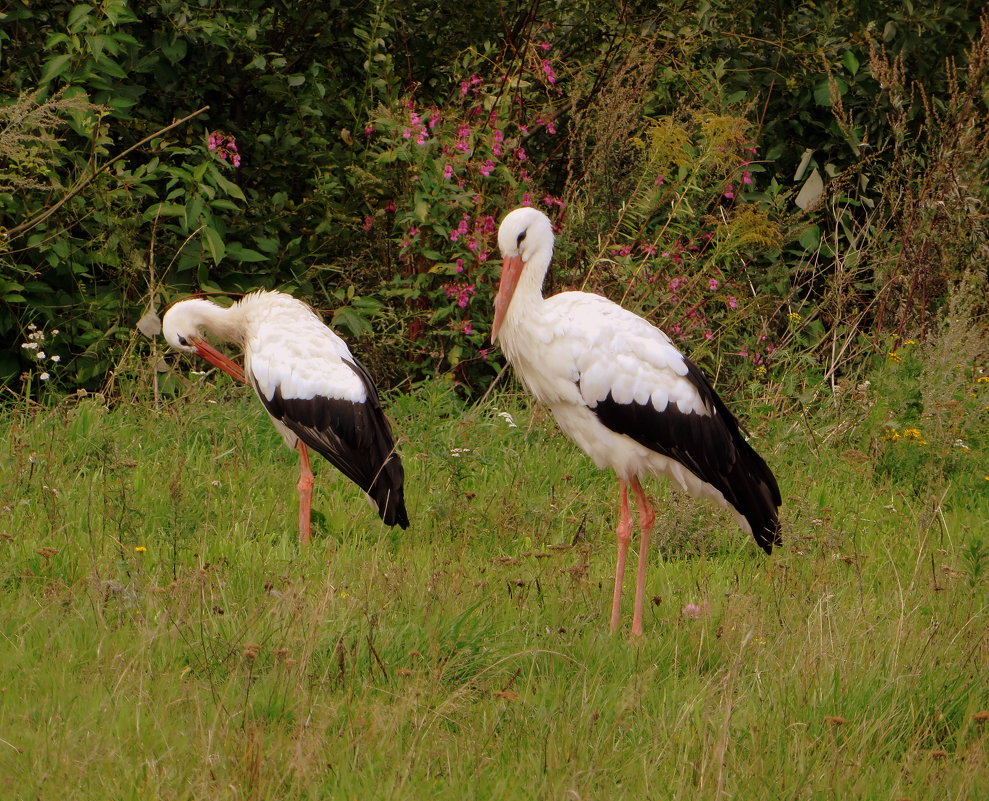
[(521, 237), (183, 342)]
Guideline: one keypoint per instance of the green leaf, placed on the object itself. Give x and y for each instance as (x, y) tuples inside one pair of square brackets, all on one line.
[(347, 318), (193, 211), (822, 92), (851, 62), (223, 204), (164, 210), (266, 244), (811, 237), (226, 184), (55, 67), (76, 17), (214, 243), (175, 51), (237, 251)]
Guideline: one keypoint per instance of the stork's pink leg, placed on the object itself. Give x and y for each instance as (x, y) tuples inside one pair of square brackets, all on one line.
[(305, 492), (646, 520), (624, 537)]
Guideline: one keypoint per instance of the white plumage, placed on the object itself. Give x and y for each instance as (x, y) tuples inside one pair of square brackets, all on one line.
[(316, 393), (623, 392)]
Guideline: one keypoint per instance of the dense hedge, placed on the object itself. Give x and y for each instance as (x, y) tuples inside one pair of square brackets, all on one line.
[(360, 155)]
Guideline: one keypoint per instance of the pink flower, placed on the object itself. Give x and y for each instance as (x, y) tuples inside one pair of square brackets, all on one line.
[(747, 178), (708, 334), (448, 171), (368, 223), (660, 180), (693, 610), (487, 168), (545, 46), (459, 265), (390, 206), (648, 249), (548, 71), (467, 328), (407, 133), (732, 302), (729, 192), (483, 353), (368, 130), (520, 154), (712, 284)]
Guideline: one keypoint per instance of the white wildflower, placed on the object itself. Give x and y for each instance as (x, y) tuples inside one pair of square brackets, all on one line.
[(44, 376), (56, 358), (42, 355)]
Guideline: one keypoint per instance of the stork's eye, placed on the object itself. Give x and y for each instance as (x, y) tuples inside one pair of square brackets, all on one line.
[(521, 237), (183, 341)]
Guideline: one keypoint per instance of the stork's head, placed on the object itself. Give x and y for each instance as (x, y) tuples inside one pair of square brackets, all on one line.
[(184, 322), (525, 238), (183, 326)]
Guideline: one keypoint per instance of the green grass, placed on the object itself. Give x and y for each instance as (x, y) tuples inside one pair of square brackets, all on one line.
[(164, 636)]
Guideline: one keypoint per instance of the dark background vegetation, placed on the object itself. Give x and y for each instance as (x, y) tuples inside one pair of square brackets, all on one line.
[(778, 184)]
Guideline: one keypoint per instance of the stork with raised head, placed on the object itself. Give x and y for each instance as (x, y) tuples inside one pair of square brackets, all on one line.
[(317, 394), (621, 390)]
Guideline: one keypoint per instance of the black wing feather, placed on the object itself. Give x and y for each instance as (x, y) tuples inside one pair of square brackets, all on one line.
[(712, 447), (354, 437)]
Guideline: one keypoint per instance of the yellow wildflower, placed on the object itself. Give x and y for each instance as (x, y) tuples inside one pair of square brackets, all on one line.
[(909, 341), (915, 435), (794, 317), (982, 379), (139, 549), (894, 356)]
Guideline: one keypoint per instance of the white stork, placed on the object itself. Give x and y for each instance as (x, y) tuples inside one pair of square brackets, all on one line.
[(621, 390), (317, 394)]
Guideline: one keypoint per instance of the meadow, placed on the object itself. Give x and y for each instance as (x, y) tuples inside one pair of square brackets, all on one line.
[(164, 636)]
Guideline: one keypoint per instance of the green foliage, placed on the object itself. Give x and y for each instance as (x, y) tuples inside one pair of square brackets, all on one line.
[(876, 112)]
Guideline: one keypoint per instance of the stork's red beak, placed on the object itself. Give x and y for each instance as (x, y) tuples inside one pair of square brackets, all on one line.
[(511, 269), (217, 359)]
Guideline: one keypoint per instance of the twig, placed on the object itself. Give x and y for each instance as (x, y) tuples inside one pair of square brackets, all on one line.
[(82, 183)]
